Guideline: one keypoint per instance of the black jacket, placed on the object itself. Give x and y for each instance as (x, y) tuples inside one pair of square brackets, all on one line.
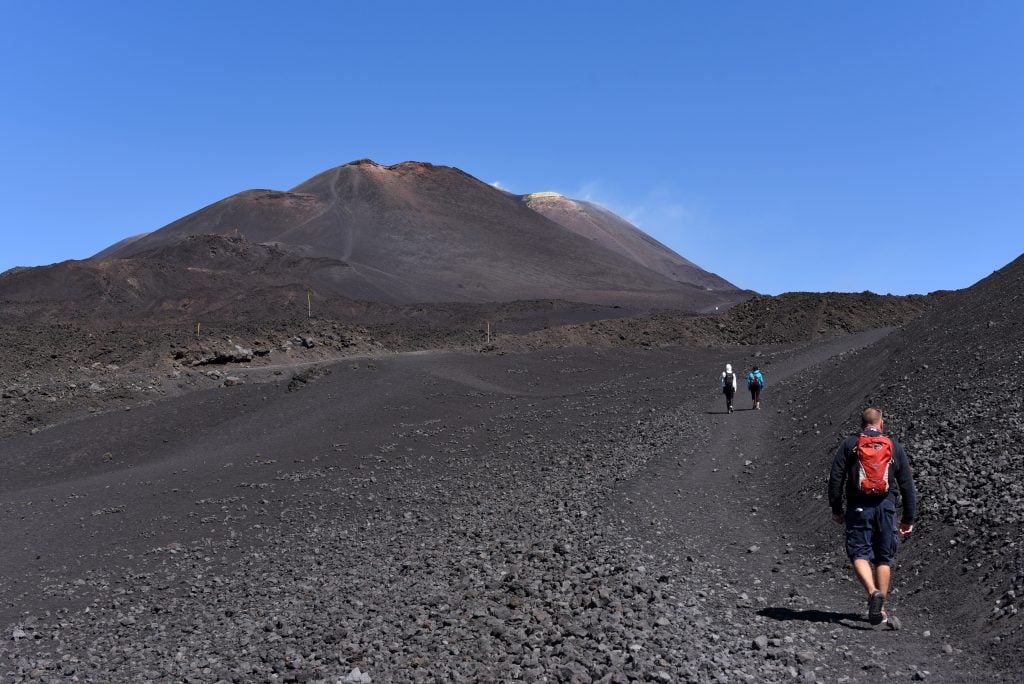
[(844, 475)]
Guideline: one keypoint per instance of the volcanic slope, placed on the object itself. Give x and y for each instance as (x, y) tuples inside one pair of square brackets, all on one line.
[(200, 276), (949, 385), (415, 232), (565, 514), (610, 230)]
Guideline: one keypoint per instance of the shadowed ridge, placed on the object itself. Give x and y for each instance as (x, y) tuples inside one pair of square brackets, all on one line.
[(256, 215)]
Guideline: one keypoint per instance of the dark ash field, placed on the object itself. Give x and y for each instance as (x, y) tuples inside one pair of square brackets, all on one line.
[(377, 492)]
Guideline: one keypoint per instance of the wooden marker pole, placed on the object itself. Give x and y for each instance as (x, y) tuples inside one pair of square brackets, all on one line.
[(197, 329), (309, 304), (488, 332)]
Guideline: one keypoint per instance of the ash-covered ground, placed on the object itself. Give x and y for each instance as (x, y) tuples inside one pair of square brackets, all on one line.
[(60, 362), (569, 504)]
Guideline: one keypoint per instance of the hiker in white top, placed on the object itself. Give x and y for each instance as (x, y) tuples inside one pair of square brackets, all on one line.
[(728, 386)]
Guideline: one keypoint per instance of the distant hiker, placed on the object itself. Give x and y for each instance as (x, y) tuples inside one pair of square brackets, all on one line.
[(755, 383), (728, 386), (874, 472)]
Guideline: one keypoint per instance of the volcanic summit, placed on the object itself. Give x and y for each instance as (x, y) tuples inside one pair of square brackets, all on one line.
[(416, 232)]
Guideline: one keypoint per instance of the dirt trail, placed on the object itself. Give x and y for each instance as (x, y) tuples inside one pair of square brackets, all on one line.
[(712, 498)]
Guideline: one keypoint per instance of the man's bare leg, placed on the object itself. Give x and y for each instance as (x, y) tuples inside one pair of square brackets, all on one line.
[(866, 575), (882, 572)]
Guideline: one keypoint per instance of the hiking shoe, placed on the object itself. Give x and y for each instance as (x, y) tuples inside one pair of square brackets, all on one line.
[(875, 603)]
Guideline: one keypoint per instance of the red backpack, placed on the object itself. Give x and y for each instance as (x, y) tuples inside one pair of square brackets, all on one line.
[(874, 456)]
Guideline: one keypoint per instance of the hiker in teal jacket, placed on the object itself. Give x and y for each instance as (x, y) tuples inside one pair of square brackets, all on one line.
[(755, 383)]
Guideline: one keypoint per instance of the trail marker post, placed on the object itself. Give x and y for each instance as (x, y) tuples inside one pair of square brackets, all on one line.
[(309, 304), (488, 332)]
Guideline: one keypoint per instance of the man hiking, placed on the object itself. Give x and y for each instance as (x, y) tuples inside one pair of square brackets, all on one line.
[(755, 383), (728, 386), (873, 472)]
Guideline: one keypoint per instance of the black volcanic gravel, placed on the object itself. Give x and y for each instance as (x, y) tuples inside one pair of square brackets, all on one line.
[(949, 385), (561, 515), (570, 516)]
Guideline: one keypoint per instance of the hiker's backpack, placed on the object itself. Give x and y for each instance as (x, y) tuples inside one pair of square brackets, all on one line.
[(729, 380), (874, 458), (755, 381)]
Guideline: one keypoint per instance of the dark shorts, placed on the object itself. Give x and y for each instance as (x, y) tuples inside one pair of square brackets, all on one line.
[(871, 533)]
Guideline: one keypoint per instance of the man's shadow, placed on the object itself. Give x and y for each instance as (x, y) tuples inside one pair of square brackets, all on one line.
[(820, 616)]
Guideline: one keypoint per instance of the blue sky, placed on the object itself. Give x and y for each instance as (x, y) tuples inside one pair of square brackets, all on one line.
[(784, 145)]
